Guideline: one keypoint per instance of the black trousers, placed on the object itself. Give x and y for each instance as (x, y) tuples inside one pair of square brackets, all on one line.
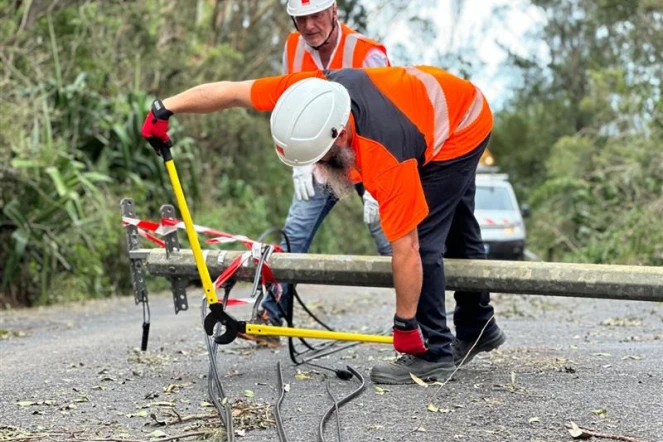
[(450, 230)]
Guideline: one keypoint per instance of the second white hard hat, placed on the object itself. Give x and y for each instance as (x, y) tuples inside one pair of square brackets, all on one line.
[(307, 118), (298, 8)]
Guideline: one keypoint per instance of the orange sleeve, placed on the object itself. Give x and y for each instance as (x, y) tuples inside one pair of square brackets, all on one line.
[(400, 194), (265, 92)]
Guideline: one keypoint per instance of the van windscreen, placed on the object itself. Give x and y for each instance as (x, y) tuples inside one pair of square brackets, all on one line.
[(493, 198)]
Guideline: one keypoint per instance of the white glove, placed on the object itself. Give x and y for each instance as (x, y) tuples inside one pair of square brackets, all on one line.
[(371, 209), (302, 178)]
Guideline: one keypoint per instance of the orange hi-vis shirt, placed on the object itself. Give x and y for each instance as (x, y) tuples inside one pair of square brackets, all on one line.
[(402, 118), (351, 51)]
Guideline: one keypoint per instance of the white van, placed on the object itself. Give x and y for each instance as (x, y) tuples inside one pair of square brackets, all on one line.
[(500, 217)]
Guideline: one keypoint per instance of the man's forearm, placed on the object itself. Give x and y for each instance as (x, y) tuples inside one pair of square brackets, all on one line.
[(408, 275), (211, 97)]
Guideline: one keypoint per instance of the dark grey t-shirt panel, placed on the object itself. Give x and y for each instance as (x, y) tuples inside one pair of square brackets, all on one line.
[(378, 119)]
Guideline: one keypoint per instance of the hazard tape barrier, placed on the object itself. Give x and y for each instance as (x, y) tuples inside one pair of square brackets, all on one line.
[(149, 230)]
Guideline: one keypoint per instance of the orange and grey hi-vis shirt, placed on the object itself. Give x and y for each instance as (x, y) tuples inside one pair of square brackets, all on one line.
[(403, 118)]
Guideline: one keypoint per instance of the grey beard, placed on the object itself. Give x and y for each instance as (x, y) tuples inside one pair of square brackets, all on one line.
[(338, 184), (336, 173)]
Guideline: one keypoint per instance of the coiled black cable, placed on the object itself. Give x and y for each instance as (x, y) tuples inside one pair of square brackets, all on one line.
[(288, 315)]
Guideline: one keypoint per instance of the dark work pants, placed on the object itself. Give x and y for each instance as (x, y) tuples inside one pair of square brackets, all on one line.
[(304, 218), (450, 230)]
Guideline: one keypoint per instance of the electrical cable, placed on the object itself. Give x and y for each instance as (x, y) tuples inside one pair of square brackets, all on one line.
[(277, 407), (340, 403), (335, 408), (288, 315), (213, 382), (214, 386)]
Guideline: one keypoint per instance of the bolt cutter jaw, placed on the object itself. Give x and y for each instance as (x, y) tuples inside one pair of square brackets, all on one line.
[(232, 326)]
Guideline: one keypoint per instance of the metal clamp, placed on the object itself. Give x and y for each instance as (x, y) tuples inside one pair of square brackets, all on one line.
[(177, 285), (137, 265)]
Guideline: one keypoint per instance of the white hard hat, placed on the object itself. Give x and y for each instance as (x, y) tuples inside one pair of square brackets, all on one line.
[(307, 119), (298, 8)]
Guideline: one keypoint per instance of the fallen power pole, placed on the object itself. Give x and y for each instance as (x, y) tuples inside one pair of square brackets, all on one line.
[(637, 283)]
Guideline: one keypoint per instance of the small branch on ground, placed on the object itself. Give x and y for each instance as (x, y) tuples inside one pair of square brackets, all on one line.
[(164, 439), (180, 419), (34, 436), (583, 433)]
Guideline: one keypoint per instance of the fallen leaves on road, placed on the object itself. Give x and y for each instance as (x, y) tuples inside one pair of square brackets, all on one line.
[(302, 375), (25, 404), (252, 416), (380, 390), (172, 388), (8, 334), (231, 373), (600, 412), (139, 413), (435, 409), (622, 322), (157, 434), (418, 380), (577, 432), (161, 404), (151, 359)]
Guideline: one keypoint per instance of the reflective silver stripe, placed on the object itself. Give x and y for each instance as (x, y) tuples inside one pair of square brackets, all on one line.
[(298, 62), (473, 112), (284, 59), (440, 109), (349, 49)]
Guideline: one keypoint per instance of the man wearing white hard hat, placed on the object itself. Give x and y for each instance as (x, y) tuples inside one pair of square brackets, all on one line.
[(321, 42), (415, 135)]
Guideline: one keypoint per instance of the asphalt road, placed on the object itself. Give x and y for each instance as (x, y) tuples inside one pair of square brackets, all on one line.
[(74, 373)]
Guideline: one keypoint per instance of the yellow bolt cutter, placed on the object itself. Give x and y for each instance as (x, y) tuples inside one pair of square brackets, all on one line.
[(217, 313)]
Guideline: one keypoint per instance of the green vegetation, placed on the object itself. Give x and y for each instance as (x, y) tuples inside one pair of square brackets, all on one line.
[(78, 79), (581, 137)]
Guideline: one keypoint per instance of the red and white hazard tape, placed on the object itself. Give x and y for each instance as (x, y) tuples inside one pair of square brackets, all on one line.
[(151, 237), (169, 225)]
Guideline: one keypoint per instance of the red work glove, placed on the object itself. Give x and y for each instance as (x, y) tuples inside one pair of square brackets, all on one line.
[(408, 337), (155, 127)]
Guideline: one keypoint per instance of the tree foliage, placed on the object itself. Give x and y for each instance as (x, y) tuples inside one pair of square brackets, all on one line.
[(582, 137), (77, 80)]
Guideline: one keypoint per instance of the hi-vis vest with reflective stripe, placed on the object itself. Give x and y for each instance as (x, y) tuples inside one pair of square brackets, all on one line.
[(350, 53), (418, 112)]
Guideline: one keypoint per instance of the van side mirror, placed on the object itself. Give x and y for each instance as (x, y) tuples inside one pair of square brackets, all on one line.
[(525, 210)]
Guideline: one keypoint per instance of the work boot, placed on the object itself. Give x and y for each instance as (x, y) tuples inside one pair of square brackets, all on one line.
[(398, 371), (488, 342), (262, 340)]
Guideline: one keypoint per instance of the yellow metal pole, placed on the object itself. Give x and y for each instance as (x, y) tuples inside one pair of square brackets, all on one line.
[(271, 330), (208, 286)]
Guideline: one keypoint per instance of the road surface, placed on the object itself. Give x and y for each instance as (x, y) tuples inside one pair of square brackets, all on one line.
[(74, 373)]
